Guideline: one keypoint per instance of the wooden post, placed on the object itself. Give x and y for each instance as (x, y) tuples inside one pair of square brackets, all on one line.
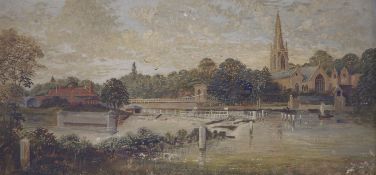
[(227, 114), (282, 115), (254, 114), (202, 138), (322, 108), (293, 120), (251, 127), (111, 122), (25, 153)]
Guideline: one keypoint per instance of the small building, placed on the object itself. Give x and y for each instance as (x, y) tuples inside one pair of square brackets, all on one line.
[(31, 102), (200, 92), (133, 109), (75, 95)]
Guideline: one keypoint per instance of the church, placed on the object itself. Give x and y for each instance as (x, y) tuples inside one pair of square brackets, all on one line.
[(305, 79)]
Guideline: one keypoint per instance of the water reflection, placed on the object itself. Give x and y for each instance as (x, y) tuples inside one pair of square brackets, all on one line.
[(202, 158), (298, 133), (335, 136), (280, 131), (250, 140)]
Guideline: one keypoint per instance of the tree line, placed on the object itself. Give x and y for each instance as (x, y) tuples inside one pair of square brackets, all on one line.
[(230, 82)]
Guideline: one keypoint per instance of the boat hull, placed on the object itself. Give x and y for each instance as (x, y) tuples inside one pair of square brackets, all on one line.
[(325, 116)]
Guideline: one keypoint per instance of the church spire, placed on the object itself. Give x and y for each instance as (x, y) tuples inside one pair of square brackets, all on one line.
[(279, 55), (278, 40)]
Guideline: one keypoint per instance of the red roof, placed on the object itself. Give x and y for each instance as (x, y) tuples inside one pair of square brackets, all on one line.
[(71, 91)]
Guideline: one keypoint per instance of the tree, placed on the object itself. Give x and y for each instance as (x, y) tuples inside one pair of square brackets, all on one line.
[(323, 59), (72, 82), (231, 82), (46, 154), (206, 69), (18, 62), (366, 92), (18, 58), (350, 60), (114, 93), (320, 57), (181, 135), (134, 70), (260, 80)]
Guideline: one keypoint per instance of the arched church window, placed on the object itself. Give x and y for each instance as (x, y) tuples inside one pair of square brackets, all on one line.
[(320, 84), (283, 67), (296, 87)]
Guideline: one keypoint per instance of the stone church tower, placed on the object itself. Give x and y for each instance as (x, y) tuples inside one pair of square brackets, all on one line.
[(279, 59)]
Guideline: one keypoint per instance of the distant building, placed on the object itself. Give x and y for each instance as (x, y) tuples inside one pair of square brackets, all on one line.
[(75, 95), (307, 78)]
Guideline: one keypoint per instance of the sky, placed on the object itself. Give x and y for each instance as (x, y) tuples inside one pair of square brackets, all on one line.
[(99, 40)]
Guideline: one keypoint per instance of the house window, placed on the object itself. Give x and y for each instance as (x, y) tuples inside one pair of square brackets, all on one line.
[(338, 93)]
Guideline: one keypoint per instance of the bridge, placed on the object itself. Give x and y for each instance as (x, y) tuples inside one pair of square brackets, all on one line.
[(164, 100), (182, 103)]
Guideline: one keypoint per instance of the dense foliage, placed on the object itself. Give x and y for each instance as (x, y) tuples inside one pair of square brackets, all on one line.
[(231, 83), (114, 93), (174, 84), (365, 95), (234, 83), (18, 61), (71, 154), (18, 58), (351, 61)]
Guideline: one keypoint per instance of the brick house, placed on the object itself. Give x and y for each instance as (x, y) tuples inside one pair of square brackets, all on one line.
[(75, 95)]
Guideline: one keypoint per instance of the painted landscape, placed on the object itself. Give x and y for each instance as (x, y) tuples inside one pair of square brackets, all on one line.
[(173, 87)]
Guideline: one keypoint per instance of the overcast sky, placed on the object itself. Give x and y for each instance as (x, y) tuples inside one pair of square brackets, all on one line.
[(100, 40)]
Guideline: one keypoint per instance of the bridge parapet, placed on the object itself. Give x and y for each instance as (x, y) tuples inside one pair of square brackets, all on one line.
[(162, 100)]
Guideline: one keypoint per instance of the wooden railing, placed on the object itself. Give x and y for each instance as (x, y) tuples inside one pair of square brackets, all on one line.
[(206, 114), (189, 99), (161, 100)]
